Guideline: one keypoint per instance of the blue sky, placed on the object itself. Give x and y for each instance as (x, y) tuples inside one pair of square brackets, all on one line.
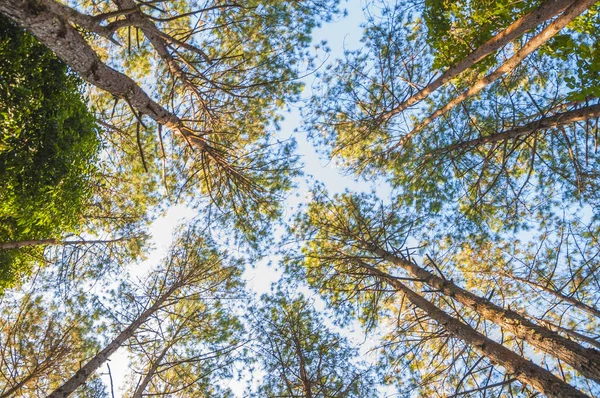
[(344, 33)]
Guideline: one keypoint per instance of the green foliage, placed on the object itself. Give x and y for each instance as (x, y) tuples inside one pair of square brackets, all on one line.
[(580, 45), (455, 28), (489, 187), (48, 142), (228, 81), (42, 339), (230, 94), (336, 234), (190, 343), (301, 356)]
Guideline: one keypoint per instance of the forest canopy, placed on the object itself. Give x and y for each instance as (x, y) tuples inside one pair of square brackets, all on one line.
[(455, 253)]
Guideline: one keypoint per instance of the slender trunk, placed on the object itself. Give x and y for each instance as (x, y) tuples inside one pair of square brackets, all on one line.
[(527, 22), (572, 12), (93, 364), (56, 242), (585, 360), (306, 382), (525, 371), (26, 243), (159, 43), (55, 32), (11, 392), (559, 119), (576, 303), (157, 38), (139, 391)]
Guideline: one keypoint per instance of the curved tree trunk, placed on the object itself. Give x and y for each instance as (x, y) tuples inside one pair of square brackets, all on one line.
[(55, 32)]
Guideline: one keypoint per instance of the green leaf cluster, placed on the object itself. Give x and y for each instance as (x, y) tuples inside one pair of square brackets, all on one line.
[(455, 28), (48, 145)]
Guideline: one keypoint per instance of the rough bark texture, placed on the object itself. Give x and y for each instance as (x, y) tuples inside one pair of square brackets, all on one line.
[(525, 371), (527, 22), (559, 119), (55, 32), (552, 29), (93, 364), (159, 42), (585, 360)]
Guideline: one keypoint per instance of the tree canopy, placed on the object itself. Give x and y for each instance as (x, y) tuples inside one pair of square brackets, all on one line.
[(468, 267), (300, 356)]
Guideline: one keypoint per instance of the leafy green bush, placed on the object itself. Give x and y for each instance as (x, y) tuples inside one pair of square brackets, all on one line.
[(48, 147)]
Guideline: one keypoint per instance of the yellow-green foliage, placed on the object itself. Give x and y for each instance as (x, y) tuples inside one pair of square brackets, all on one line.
[(48, 141)]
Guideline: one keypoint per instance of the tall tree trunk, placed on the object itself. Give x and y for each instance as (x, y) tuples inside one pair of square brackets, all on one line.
[(139, 391), (525, 371), (527, 22), (558, 119), (306, 382), (572, 12), (11, 392), (93, 364), (585, 360), (56, 242), (26, 243), (56, 33)]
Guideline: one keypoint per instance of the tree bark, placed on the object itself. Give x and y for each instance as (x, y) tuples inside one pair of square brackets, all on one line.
[(306, 382), (525, 371), (585, 360), (93, 364), (572, 12), (527, 22), (55, 32), (160, 45), (559, 119), (139, 391), (56, 242), (26, 243), (11, 392)]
